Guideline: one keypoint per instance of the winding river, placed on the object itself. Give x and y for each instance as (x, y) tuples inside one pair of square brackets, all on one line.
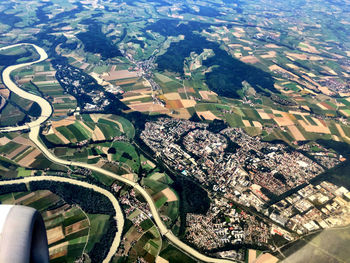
[(34, 130), (46, 109), (118, 213)]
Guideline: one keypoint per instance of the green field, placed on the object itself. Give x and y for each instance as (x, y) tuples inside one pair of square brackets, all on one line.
[(171, 209), (22, 172), (54, 139), (98, 228), (160, 177), (155, 186), (161, 201), (234, 120), (64, 218), (79, 132), (11, 115), (144, 163), (107, 180), (67, 133), (158, 182), (146, 224), (175, 255), (88, 121), (126, 153), (128, 128), (108, 128), (84, 132)]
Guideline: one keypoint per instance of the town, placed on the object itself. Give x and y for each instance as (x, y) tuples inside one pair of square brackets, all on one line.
[(238, 169), (313, 208), (231, 161)]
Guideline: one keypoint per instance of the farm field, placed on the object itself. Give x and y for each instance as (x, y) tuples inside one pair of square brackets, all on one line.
[(165, 198), (41, 80), (172, 254), (277, 71), (117, 156), (69, 229), (94, 127), (19, 157), (144, 235)]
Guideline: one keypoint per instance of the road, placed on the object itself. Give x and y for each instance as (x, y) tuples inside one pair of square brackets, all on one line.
[(118, 212), (34, 136)]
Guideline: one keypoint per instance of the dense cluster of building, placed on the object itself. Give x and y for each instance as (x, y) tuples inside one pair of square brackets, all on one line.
[(99, 101), (238, 169), (313, 207), (129, 199), (335, 85), (83, 87), (225, 224), (131, 203), (205, 143), (276, 167), (326, 157), (145, 67), (229, 160)]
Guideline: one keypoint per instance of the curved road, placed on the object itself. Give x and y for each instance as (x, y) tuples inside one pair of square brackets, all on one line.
[(34, 136), (110, 196)]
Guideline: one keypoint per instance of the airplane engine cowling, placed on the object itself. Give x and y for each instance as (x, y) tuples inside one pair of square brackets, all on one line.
[(22, 235)]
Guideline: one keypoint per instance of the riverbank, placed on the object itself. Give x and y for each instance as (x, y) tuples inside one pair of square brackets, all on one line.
[(118, 212), (34, 127)]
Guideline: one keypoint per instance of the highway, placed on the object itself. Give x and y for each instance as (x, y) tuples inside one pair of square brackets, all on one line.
[(34, 136)]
